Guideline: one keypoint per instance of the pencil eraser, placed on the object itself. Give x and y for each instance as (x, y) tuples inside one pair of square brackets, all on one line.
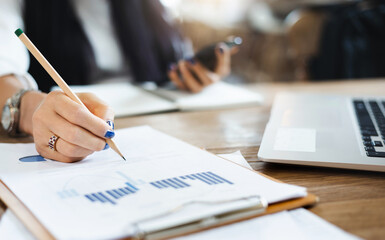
[(18, 32)]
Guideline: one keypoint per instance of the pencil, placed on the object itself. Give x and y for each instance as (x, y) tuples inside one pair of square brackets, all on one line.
[(57, 78)]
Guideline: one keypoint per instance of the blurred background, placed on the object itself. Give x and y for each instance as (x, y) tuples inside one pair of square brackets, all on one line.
[(288, 41)]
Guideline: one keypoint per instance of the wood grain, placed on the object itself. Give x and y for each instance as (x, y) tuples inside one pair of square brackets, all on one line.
[(352, 200)]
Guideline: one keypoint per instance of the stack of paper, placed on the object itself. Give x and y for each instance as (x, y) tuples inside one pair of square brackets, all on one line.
[(218, 95), (298, 224), (105, 197), (295, 224), (127, 99)]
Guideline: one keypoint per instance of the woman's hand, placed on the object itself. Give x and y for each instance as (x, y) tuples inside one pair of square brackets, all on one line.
[(80, 131), (191, 75)]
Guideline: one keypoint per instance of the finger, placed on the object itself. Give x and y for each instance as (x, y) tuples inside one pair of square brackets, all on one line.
[(97, 106), (192, 84), (79, 115), (223, 55), (45, 152), (41, 144), (200, 72), (70, 150), (174, 77), (73, 133), (234, 50), (66, 148)]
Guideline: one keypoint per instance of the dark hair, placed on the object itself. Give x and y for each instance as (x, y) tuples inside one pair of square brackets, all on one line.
[(148, 42)]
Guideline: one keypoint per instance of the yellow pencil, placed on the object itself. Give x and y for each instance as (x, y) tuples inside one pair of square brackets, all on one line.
[(57, 78)]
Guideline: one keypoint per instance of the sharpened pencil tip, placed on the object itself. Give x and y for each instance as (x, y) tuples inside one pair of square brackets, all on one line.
[(124, 158)]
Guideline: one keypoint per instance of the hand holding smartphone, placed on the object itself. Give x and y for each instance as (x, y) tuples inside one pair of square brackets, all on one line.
[(208, 66), (206, 56)]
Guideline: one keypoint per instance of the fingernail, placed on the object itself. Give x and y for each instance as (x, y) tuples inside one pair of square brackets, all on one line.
[(111, 123), (106, 147), (171, 66), (109, 134), (191, 60), (221, 50)]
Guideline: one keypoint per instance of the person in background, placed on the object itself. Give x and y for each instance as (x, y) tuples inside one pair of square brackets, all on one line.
[(87, 41), (351, 43)]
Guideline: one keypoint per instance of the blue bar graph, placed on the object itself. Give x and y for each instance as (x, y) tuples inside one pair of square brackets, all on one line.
[(155, 185), (218, 178), (98, 197), (181, 182), (208, 178), (118, 193), (67, 193), (161, 184), (92, 199), (112, 195), (131, 186), (202, 179), (132, 182)]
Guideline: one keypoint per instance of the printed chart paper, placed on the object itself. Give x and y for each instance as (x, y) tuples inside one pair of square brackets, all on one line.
[(105, 197)]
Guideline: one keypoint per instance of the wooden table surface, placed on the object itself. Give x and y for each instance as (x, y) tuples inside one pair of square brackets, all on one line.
[(352, 200)]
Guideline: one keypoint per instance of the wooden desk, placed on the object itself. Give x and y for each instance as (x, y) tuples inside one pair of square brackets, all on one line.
[(352, 200)]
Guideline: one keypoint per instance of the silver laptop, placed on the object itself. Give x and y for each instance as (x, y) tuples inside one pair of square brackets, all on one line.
[(326, 130)]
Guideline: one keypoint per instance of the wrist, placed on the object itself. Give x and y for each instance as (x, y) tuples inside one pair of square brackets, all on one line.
[(28, 105)]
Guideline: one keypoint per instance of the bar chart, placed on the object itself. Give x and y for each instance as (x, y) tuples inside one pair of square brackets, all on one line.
[(67, 193), (132, 186), (112, 195), (208, 178), (130, 180)]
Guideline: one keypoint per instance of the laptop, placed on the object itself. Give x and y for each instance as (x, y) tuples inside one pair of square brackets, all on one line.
[(327, 131)]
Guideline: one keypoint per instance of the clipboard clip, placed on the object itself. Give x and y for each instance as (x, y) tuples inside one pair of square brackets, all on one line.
[(257, 207)]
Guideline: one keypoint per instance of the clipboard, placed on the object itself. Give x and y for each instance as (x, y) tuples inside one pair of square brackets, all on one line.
[(40, 232)]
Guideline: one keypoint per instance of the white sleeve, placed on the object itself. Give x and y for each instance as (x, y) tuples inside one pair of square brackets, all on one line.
[(14, 58)]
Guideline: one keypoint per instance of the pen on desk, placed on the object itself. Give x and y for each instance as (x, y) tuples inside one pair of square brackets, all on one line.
[(57, 78)]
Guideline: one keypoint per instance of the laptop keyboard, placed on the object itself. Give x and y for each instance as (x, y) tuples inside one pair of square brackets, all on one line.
[(371, 121)]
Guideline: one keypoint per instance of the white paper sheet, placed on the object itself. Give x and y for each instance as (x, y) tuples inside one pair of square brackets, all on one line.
[(236, 157), (316, 228), (12, 229), (126, 99), (273, 226), (57, 193), (297, 224), (218, 95)]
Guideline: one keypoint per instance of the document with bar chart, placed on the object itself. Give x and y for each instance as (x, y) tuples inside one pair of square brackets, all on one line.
[(104, 197)]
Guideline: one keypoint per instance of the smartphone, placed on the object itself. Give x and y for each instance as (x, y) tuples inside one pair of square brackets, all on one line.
[(206, 56)]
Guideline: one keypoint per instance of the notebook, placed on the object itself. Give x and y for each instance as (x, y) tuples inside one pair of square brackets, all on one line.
[(127, 99)]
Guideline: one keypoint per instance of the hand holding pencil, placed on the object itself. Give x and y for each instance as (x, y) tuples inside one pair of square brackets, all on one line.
[(68, 127)]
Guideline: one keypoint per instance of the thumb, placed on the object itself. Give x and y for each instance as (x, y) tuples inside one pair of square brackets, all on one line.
[(223, 55)]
